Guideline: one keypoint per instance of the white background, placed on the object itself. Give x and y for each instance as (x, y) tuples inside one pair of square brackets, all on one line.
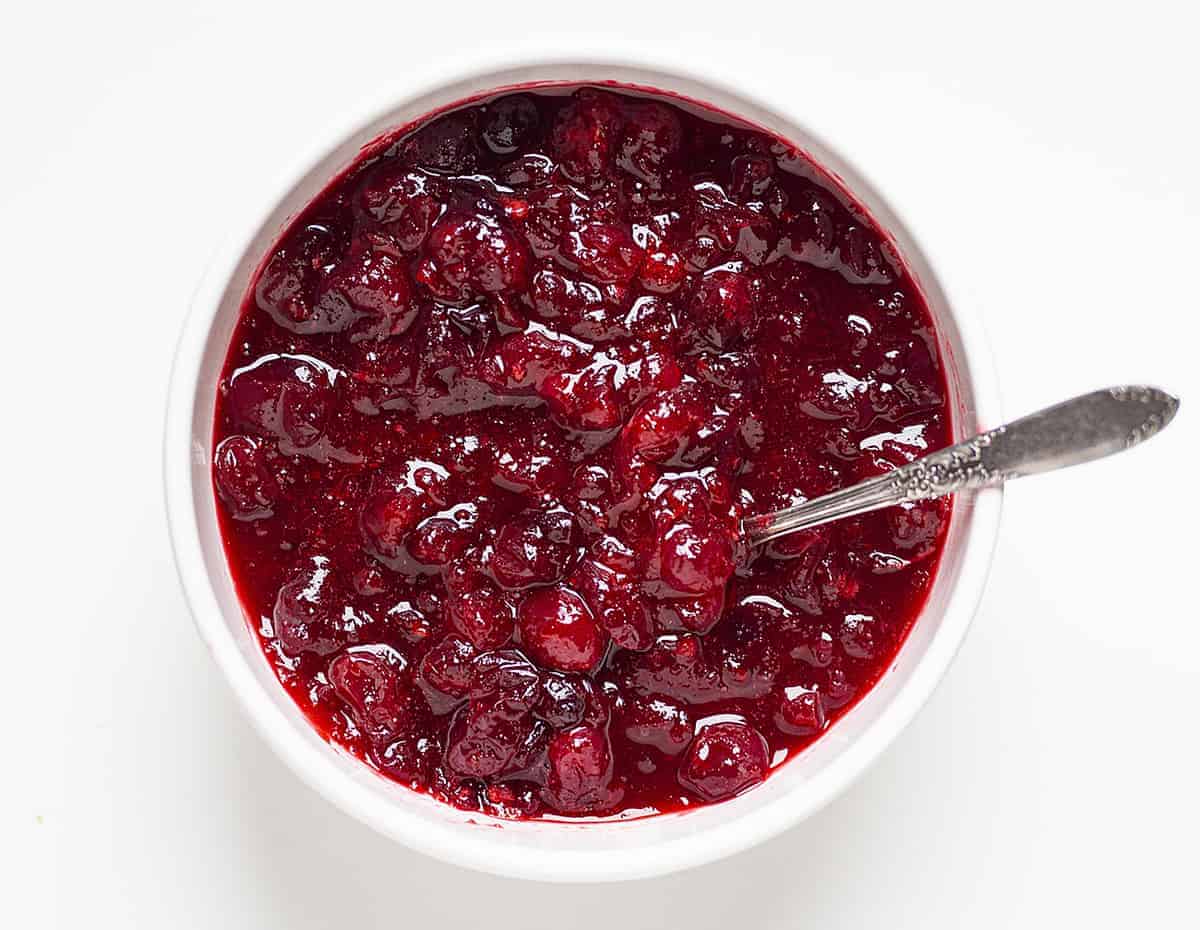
[(1049, 159)]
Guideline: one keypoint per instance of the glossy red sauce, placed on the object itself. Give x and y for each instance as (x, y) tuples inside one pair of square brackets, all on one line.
[(496, 403)]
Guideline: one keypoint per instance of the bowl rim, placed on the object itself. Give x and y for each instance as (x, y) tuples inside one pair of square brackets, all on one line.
[(477, 849)]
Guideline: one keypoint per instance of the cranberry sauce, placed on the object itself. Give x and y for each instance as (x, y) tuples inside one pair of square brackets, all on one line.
[(494, 408)]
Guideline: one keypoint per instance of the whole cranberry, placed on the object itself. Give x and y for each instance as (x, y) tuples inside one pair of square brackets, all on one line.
[(604, 252), (446, 144), (644, 371), (616, 603), (801, 711), (311, 614), (525, 360), (508, 679), (483, 740), (554, 296), (550, 211), (510, 123), (585, 136), (448, 668), (369, 679), (581, 772), (681, 499), (533, 549), (662, 426), (472, 255), (404, 202), (658, 721), (583, 400), (662, 271), (375, 287), (483, 617), (651, 143), (694, 561), (717, 216), (653, 319), (724, 759), (436, 541), (287, 289), (558, 630), (723, 307), (244, 480), (396, 501), (386, 518), (285, 292), (285, 397)]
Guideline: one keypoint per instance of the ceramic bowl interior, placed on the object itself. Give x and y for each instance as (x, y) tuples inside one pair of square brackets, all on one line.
[(554, 850)]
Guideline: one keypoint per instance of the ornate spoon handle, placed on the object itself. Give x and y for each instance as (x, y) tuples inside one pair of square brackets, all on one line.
[(1075, 431)]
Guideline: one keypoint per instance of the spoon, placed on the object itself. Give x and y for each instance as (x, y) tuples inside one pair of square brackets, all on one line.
[(1087, 427)]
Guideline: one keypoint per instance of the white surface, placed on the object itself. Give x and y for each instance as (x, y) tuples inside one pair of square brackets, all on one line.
[(1053, 776)]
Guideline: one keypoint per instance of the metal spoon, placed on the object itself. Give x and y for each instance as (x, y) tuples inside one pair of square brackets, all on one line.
[(1087, 427)]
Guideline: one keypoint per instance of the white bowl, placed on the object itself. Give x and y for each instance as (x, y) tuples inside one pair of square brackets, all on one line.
[(544, 850)]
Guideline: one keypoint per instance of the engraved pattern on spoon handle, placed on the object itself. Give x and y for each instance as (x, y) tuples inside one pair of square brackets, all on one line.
[(1075, 431)]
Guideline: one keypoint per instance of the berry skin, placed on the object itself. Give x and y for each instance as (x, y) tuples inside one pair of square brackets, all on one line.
[(510, 123), (371, 680), (604, 252), (533, 549), (583, 400), (287, 398), (801, 711), (448, 667), (483, 617), (723, 760), (397, 500), (470, 256), (696, 562), (403, 202), (657, 721), (446, 145), (288, 288), (585, 137), (483, 743), (559, 632), (311, 614), (374, 287), (722, 307), (651, 143), (244, 478), (581, 772), (662, 271)]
